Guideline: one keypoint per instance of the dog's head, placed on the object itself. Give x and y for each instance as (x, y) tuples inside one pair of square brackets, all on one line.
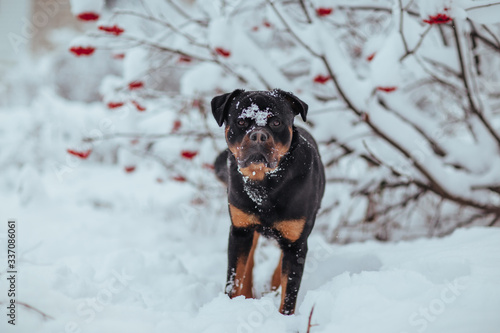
[(258, 127)]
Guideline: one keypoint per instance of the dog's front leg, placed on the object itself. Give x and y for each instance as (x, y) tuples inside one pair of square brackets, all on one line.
[(242, 243), (292, 267)]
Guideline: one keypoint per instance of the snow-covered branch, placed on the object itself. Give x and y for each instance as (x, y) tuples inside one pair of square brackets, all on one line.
[(401, 95)]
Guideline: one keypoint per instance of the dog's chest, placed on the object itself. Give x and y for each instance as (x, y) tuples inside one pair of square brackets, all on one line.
[(263, 196), (258, 194)]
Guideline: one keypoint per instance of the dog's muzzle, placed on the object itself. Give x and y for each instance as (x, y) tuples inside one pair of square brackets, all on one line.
[(258, 148)]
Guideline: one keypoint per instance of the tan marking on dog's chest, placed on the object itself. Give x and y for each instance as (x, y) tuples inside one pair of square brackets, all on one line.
[(240, 219), (290, 229), (255, 171)]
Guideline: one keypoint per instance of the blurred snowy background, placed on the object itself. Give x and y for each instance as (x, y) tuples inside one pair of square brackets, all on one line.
[(107, 143)]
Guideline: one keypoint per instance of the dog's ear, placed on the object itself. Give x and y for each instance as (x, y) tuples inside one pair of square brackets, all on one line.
[(221, 103), (298, 106)]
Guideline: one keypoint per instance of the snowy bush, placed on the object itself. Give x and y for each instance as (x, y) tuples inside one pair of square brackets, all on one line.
[(403, 98)]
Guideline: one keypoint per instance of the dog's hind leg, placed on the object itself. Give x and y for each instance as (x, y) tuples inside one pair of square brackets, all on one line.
[(292, 267)]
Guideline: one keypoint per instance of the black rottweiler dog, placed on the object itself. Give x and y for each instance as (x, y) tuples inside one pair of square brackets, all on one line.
[(275, 182)]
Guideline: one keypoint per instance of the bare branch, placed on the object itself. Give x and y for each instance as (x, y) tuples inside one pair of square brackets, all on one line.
[(193, 134), (32, 308), (488, 30), (401, 32), (342, 180), (152, 44), (181, 53), (443, 36), (473, 37), (289, 29), (184, 14), (146, 7), (493, 188), (151, 18), (376, 8), (309, 325), (494, 220), (399, 204), (483, 6), (347, 151), (438, 150), (408, 5), (380, 162), (306, 13), (470, 220), (417, 46)]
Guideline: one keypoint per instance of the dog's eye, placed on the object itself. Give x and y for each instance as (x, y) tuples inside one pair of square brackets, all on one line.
[(242, 122), (276, 123)]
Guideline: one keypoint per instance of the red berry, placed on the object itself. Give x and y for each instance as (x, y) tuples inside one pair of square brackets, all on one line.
[(179, 179), (208, 166), (222, 52), (81, 154), (114, 105), (119, 56), (356, 50), (370, 57), (321, 79), (113, 30), (189, 154), (82, 51), (196, 103), (177, 125), (438, 19), (387, 89), (129, 169), (197, 201), (135, 85), (138, 106), (88, 16), (185, 59), (321, 11)]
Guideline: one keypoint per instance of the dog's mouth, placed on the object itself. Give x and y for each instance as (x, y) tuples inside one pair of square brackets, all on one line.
[(254, 158), (257, 158)]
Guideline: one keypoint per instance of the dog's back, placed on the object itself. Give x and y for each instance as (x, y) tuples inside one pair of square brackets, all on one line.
[(220, 166)]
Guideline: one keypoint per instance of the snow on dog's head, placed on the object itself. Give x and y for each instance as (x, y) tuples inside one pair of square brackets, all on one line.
[(253, 112)]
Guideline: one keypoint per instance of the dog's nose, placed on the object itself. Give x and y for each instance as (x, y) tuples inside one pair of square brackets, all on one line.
[(259, 136)]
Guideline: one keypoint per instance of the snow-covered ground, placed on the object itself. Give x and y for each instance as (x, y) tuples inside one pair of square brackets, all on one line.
[(107, 251), (103, 250)]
